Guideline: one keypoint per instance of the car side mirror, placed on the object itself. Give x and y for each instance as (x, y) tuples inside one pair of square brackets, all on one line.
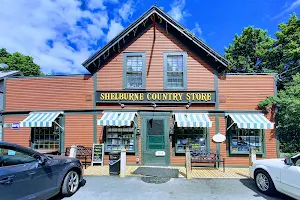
[(42, 161), (288, 161)]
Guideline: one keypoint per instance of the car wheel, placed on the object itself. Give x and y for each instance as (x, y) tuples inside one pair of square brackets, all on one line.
[(264, 182), (70, 183)]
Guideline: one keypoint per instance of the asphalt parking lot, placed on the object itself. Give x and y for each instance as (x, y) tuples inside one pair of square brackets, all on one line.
[(115, 188)]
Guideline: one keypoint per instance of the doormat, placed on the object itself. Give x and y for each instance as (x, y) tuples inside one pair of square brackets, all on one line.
[(157, 172)]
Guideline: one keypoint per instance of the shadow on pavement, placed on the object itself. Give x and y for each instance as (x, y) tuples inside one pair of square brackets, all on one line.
[(59, 196), (249, 183)]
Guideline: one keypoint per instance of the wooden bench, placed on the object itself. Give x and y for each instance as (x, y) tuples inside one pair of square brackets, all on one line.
[(206, 156), (81, 153)]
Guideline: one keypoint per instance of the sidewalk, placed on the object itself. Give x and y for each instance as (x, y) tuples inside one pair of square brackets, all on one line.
[(199, 172)]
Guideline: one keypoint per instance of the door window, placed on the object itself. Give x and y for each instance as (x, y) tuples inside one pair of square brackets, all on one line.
[(10, 156), (155, 134)]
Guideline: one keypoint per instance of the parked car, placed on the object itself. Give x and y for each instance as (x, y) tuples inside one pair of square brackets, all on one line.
[(282, 175), (28, 174)]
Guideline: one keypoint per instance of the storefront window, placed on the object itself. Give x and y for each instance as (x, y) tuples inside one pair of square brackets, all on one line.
[(242, 140), (195, 137), (45, 138), (118, 138)]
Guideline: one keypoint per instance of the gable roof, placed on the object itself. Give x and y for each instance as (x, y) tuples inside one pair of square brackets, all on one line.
[(96, 57)]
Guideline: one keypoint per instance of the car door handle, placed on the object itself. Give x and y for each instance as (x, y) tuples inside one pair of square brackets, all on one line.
[(7, 179), (31, 173)]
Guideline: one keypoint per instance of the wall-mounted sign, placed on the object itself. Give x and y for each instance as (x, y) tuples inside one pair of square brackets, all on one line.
[(15, 125), (155, 96), (219, 138), (160, 153)]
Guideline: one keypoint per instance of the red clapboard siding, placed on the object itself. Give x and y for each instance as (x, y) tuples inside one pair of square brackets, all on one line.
[(51, 93), (79, 130), (20, 136), (244, 92)]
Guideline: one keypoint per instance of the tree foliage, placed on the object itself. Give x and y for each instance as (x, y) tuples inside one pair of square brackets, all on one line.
[(288, 100), (286, 51), (17, 61), (250, 51)]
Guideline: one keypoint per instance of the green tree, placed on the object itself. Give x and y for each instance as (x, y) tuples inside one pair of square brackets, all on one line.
[(288, 100), (286, 50), (249, 52), (17, 61)]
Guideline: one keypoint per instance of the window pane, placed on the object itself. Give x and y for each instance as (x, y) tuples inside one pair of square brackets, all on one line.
[(46, 138), (134, 80), (175, 71), (175, 63), (11, 156), (118, 138), (193, 136), (134, 71), (242, 140), (134, 64), (175, 79)]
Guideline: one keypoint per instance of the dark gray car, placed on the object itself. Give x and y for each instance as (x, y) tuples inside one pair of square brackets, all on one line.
[(27, 174)]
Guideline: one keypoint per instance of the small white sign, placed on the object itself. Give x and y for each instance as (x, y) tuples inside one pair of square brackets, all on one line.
[(219, 138), (15, 125), (160, 153)]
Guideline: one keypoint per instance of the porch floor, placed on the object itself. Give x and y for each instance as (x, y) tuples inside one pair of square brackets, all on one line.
[(197, 172)]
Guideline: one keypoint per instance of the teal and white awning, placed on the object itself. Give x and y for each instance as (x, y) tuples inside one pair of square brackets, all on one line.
[(192, 120), (116, 119), (40, 119), (251, 121)]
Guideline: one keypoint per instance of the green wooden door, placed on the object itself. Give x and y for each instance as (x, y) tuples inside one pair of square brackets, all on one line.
[(156, 144)]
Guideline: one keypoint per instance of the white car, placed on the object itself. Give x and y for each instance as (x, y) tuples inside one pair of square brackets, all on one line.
[(280, 174)]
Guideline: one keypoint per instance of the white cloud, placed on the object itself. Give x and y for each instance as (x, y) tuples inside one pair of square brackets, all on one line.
[(126, 10), (197, 31), (287, 9), (28, 26), (98, 4), (177, 10), (114, 29)]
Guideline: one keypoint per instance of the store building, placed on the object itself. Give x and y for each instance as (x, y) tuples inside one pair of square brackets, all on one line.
[(153, 89)]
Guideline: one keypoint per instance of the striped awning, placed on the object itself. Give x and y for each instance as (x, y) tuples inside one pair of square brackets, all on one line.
[(251, 121), (116, 119), (192, 120), (40, 119)]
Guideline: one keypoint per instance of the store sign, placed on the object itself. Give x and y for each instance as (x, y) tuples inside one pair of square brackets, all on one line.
[(155, 97), (15, 125)]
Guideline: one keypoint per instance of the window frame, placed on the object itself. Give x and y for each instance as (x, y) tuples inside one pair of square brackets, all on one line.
[(184, 70), (51, 131), (205, 135), (135, 138), (229, 139), (127, 54)]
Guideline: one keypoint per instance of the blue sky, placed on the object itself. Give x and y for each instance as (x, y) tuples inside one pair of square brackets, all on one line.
[(61, 34)]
